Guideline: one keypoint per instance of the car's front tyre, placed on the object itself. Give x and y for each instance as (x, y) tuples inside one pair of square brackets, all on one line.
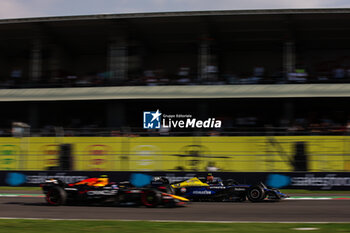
[(151, 198), (256, 193), (56, 196)]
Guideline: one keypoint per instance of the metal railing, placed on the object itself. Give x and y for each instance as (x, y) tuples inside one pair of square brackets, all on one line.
[(140, 132)]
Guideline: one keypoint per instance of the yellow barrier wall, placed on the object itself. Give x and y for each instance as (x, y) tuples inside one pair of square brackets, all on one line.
[(325, 153)]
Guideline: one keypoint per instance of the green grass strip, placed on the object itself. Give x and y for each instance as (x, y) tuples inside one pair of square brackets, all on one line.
[(20, 195), (303, 191), (53, 226), (319, 197), (10, 188)]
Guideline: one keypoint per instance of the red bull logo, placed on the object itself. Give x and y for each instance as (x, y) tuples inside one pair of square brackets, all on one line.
[(50, 153), (98, 149), (97, 154), (97, 161)]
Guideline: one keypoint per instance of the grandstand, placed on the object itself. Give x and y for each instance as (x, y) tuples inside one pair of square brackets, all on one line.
[(222, 50), (262, 72)]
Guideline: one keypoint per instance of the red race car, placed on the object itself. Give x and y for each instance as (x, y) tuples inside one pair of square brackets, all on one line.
[(101, 191)]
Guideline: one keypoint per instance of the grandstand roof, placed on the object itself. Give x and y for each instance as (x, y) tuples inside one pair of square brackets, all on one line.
[(179, 14), (266, 28)]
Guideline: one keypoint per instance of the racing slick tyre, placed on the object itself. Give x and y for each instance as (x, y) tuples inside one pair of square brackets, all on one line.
[(118, 199), (151, 198), (56, 196), (256, 193)]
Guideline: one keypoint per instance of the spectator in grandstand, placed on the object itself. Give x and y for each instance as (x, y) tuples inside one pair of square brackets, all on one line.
[(315, 128), (184, 71), (161, 77), (339, 73), (5, 133), (259, 71), (69, 133), (246, 121), (150, 78), (164, 131), (89, 130), (255, 78), (297, 126), (211, 71), (298, 76), (348, 72), (231, 78), (83, 81), (99, 79), (258, 74), (322, 77), (326, 124), (183, 75), (70, 80), (116, 133), (338, 129), (252, 80), (322, 72), (16, 76), (48, 130), (214, 133), (348, 127)]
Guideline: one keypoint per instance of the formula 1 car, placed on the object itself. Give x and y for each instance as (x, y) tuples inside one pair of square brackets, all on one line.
[(229, 190), (101, 191)]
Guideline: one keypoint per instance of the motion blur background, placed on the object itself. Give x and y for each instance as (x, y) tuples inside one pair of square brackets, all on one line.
[(73, 90)]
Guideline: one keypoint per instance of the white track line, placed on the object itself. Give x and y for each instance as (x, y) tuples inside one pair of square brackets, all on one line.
[(175, 221), (309, 198)]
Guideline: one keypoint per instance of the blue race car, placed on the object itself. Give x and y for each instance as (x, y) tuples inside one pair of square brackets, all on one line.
[(229, 190)]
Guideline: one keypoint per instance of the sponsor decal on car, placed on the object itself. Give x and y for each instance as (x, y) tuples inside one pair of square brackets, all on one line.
[(204, 192), (71, 189), (240, 189), (101, 192), (217, 187)]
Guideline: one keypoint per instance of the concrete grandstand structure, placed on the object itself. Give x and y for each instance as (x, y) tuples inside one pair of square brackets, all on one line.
[(86, 55)]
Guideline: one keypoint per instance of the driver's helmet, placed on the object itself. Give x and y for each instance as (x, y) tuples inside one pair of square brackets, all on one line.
[(160, 179), (210, 178)]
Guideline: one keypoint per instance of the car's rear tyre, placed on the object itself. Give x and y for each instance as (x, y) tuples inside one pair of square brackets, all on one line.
[(56, 196), (151, 198), (256, 194), (118, 199)]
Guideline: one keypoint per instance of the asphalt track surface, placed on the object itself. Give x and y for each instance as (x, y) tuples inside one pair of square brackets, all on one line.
[(284, 211)]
